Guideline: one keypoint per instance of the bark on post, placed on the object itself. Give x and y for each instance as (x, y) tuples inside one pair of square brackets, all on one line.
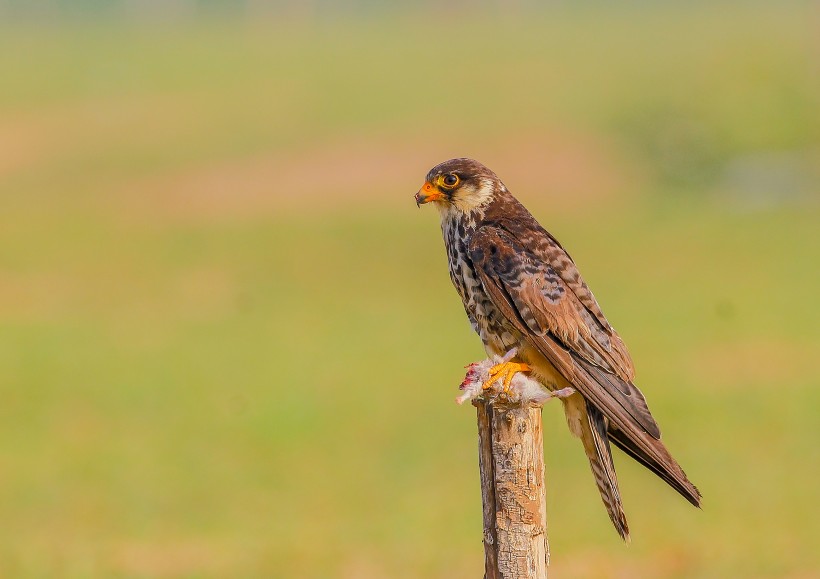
[(511, 459)]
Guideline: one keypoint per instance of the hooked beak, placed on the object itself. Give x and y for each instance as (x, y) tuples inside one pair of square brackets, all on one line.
[(428, 193)]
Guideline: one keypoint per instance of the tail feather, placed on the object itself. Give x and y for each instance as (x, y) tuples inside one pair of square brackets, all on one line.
[(638, 435), (674, 477), (599, 454)]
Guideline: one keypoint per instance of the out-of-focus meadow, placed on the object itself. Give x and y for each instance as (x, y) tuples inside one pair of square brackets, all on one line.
[(228, 342)]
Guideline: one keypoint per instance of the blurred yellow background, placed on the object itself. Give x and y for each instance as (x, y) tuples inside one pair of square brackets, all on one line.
[(229, 346)]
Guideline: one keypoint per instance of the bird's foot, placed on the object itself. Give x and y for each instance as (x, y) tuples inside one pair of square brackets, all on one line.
[(479, 383), (505, 371)]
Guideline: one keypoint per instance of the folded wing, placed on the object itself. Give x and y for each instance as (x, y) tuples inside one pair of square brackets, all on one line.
[(535, 285)]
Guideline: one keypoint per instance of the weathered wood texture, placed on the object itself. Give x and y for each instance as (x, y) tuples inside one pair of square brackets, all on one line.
[(511, 459)]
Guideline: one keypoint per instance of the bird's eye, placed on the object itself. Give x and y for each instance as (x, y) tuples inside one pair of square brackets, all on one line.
[(450, 180)]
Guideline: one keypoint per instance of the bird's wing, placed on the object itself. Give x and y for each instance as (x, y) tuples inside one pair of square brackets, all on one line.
[(533, 295), (600, 344), (537, 300)]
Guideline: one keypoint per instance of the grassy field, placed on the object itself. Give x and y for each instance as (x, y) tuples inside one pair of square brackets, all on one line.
[(228, 342)]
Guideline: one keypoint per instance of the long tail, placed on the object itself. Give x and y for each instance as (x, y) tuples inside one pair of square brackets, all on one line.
[(642, 440), (659, 461), (587, 422), (600, 461)]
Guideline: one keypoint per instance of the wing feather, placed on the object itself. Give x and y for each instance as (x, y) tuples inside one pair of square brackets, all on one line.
[(532, 295), (508, 273), (601, 344)]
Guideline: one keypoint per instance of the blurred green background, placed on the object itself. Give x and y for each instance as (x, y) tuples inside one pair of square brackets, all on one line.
[(229, 346)]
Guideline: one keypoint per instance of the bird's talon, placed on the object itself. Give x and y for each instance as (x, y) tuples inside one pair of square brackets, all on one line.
[(505, 372)]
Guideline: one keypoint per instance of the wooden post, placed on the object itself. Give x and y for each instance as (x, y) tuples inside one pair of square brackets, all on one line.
[(511, 460)]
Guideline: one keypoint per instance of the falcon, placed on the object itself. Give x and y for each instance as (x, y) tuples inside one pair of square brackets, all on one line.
[(525, 297)]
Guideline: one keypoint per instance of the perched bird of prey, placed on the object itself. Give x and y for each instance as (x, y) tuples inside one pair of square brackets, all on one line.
[(523, 293)]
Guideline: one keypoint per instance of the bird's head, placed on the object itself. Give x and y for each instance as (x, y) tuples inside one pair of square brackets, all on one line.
[(461, 184)]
